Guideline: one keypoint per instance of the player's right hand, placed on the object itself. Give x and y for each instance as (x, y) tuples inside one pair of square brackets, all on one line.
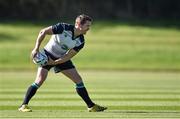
[(34, 52)]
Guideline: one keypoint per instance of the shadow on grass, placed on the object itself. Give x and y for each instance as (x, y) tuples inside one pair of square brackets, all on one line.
[(120, 111), (174, 24), (6, 37), (98, 25)]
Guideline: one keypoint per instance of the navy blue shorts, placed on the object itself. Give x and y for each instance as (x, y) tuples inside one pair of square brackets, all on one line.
[(59, 67)]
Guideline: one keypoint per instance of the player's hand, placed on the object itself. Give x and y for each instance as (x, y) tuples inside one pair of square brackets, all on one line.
[(34, 53), (50, 61)]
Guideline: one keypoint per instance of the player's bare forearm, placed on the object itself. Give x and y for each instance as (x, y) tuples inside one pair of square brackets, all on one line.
[(71, 53), (40, 38)]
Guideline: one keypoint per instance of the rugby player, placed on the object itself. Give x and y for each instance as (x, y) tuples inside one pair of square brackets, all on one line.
[(66, 41)]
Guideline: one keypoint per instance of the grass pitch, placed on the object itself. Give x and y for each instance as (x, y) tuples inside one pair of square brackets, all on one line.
[(128, 95)]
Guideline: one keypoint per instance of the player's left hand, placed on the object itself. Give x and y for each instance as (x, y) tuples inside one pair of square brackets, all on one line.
[(50, 61)]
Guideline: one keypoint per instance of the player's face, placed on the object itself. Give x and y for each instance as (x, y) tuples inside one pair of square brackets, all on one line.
[(85, 27)]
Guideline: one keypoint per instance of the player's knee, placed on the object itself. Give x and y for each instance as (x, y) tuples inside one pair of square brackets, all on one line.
[(80, 85), (35, 85), (77, 79)]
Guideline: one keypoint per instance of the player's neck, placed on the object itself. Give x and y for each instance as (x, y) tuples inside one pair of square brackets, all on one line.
[(77, 32)]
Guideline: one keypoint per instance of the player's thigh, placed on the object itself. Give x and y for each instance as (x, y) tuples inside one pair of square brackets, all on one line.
[(73, 75), (41, 76)]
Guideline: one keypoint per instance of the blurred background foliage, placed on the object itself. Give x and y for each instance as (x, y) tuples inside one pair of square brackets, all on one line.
[(100, 9)]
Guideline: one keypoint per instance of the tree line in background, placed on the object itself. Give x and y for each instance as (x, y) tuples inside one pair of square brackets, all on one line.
[(99, 9)]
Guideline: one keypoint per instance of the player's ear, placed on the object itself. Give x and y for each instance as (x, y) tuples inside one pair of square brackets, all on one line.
[(80, 26)]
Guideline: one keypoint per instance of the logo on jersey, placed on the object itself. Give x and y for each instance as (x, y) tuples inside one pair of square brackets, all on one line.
[(64, 47)]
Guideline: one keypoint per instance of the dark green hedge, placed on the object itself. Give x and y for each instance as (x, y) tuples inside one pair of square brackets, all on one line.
[(100, 9)]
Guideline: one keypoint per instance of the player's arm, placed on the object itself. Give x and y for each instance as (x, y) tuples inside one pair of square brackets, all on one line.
[(71, 53), (54, 29), (40, 38)]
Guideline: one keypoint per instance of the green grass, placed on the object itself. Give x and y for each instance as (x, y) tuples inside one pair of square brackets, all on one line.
[(128, 95), (119, 45)]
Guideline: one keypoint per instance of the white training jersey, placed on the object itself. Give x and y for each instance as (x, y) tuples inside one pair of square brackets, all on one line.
[(63, 40)]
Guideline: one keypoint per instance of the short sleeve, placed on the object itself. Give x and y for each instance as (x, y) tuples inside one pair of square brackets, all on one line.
[(78, 48), (58, 28), (82, 42)]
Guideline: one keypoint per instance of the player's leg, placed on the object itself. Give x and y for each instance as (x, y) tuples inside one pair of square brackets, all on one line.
[(81, 90), (40, 78)]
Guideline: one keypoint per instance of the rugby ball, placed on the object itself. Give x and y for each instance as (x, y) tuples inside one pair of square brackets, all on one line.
[(40, 59)]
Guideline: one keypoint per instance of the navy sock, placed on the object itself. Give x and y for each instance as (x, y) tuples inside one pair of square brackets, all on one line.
[(30, 93), (81, 90)]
